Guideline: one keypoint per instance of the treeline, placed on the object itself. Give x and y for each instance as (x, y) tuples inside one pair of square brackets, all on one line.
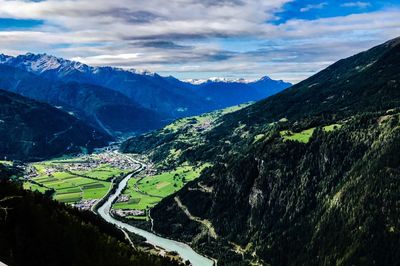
[(35, 230)]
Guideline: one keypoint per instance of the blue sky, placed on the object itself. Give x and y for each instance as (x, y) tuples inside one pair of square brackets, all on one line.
[(14, 24), (285, 39), (311, 10)]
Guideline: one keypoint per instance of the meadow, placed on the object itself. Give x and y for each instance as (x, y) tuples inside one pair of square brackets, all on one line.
[(73, 180), (305, 135), (146, 192)]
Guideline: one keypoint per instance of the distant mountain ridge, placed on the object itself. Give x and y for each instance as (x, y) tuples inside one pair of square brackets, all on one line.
[(108, 110), (166, 96), (226, 80), (151, 91), (225, 92)]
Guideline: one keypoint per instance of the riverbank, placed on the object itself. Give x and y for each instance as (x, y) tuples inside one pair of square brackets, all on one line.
[(184, 251)]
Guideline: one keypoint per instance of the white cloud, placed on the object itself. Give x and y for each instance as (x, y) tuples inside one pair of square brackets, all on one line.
[(316, 6), (189, 38), (356, 4)]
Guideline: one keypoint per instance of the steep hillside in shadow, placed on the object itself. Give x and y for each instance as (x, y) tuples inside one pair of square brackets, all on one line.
[(35, 230), (31, 130)]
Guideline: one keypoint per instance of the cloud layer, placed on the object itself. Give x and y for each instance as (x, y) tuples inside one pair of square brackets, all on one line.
[(196, 39)]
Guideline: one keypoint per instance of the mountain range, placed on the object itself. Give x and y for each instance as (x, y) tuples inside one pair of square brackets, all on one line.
[(121, 101), (226, 93), (309, 176), (107, 110)]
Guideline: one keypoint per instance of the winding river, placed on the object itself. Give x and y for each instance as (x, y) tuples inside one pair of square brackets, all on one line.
[(185, 251)]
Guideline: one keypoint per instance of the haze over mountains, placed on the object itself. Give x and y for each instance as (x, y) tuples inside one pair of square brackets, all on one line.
[(118, 101), (107, 110), (225, 93)]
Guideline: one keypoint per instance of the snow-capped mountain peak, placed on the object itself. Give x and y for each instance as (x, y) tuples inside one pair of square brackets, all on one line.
[(226, 80), (41, 63), (141, 72), (4, 58), (217, 80)]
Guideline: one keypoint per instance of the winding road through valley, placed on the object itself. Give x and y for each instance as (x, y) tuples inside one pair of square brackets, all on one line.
[(185, 251)]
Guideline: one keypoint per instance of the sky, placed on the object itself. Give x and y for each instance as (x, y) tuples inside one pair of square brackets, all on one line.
[(189, 39)]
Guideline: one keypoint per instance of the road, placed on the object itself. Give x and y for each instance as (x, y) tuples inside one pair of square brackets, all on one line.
[(185, 251)]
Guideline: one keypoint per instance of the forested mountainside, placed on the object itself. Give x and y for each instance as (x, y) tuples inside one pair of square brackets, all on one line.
[(167, 96), (31, 130), (173, 144), (309, 176), (35, 230), (108, 110)]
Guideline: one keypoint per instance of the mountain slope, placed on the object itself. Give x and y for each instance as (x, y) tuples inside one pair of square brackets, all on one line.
[(308, 176), (106, 109), (35, 230), (31, 130), (332, 200), (365, 82)]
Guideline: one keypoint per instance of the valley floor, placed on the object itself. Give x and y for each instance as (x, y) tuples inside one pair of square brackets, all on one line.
[(85, 180)]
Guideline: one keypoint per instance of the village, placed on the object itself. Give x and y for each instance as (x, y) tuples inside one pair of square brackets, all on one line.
[(85, 162)]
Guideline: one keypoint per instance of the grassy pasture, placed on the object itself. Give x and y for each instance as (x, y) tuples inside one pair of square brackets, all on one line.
[(169, 182), (148, 191), (140, 202), (103, 172), (69, 197), (200, 119), (305, 135), (71, 187), (95, 193), (332, 127)]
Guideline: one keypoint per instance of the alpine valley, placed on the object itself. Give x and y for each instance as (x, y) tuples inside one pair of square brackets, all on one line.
[(113, 166)]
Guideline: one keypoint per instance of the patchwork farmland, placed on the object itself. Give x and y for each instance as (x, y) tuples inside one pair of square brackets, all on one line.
[(81, 180), (143, 192)]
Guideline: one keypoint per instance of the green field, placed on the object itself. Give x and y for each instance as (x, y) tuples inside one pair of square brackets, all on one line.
[(332, 127), (148, 191), (139, 202), (72, 186), (103, 172), (305, 135), (201, 119)]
